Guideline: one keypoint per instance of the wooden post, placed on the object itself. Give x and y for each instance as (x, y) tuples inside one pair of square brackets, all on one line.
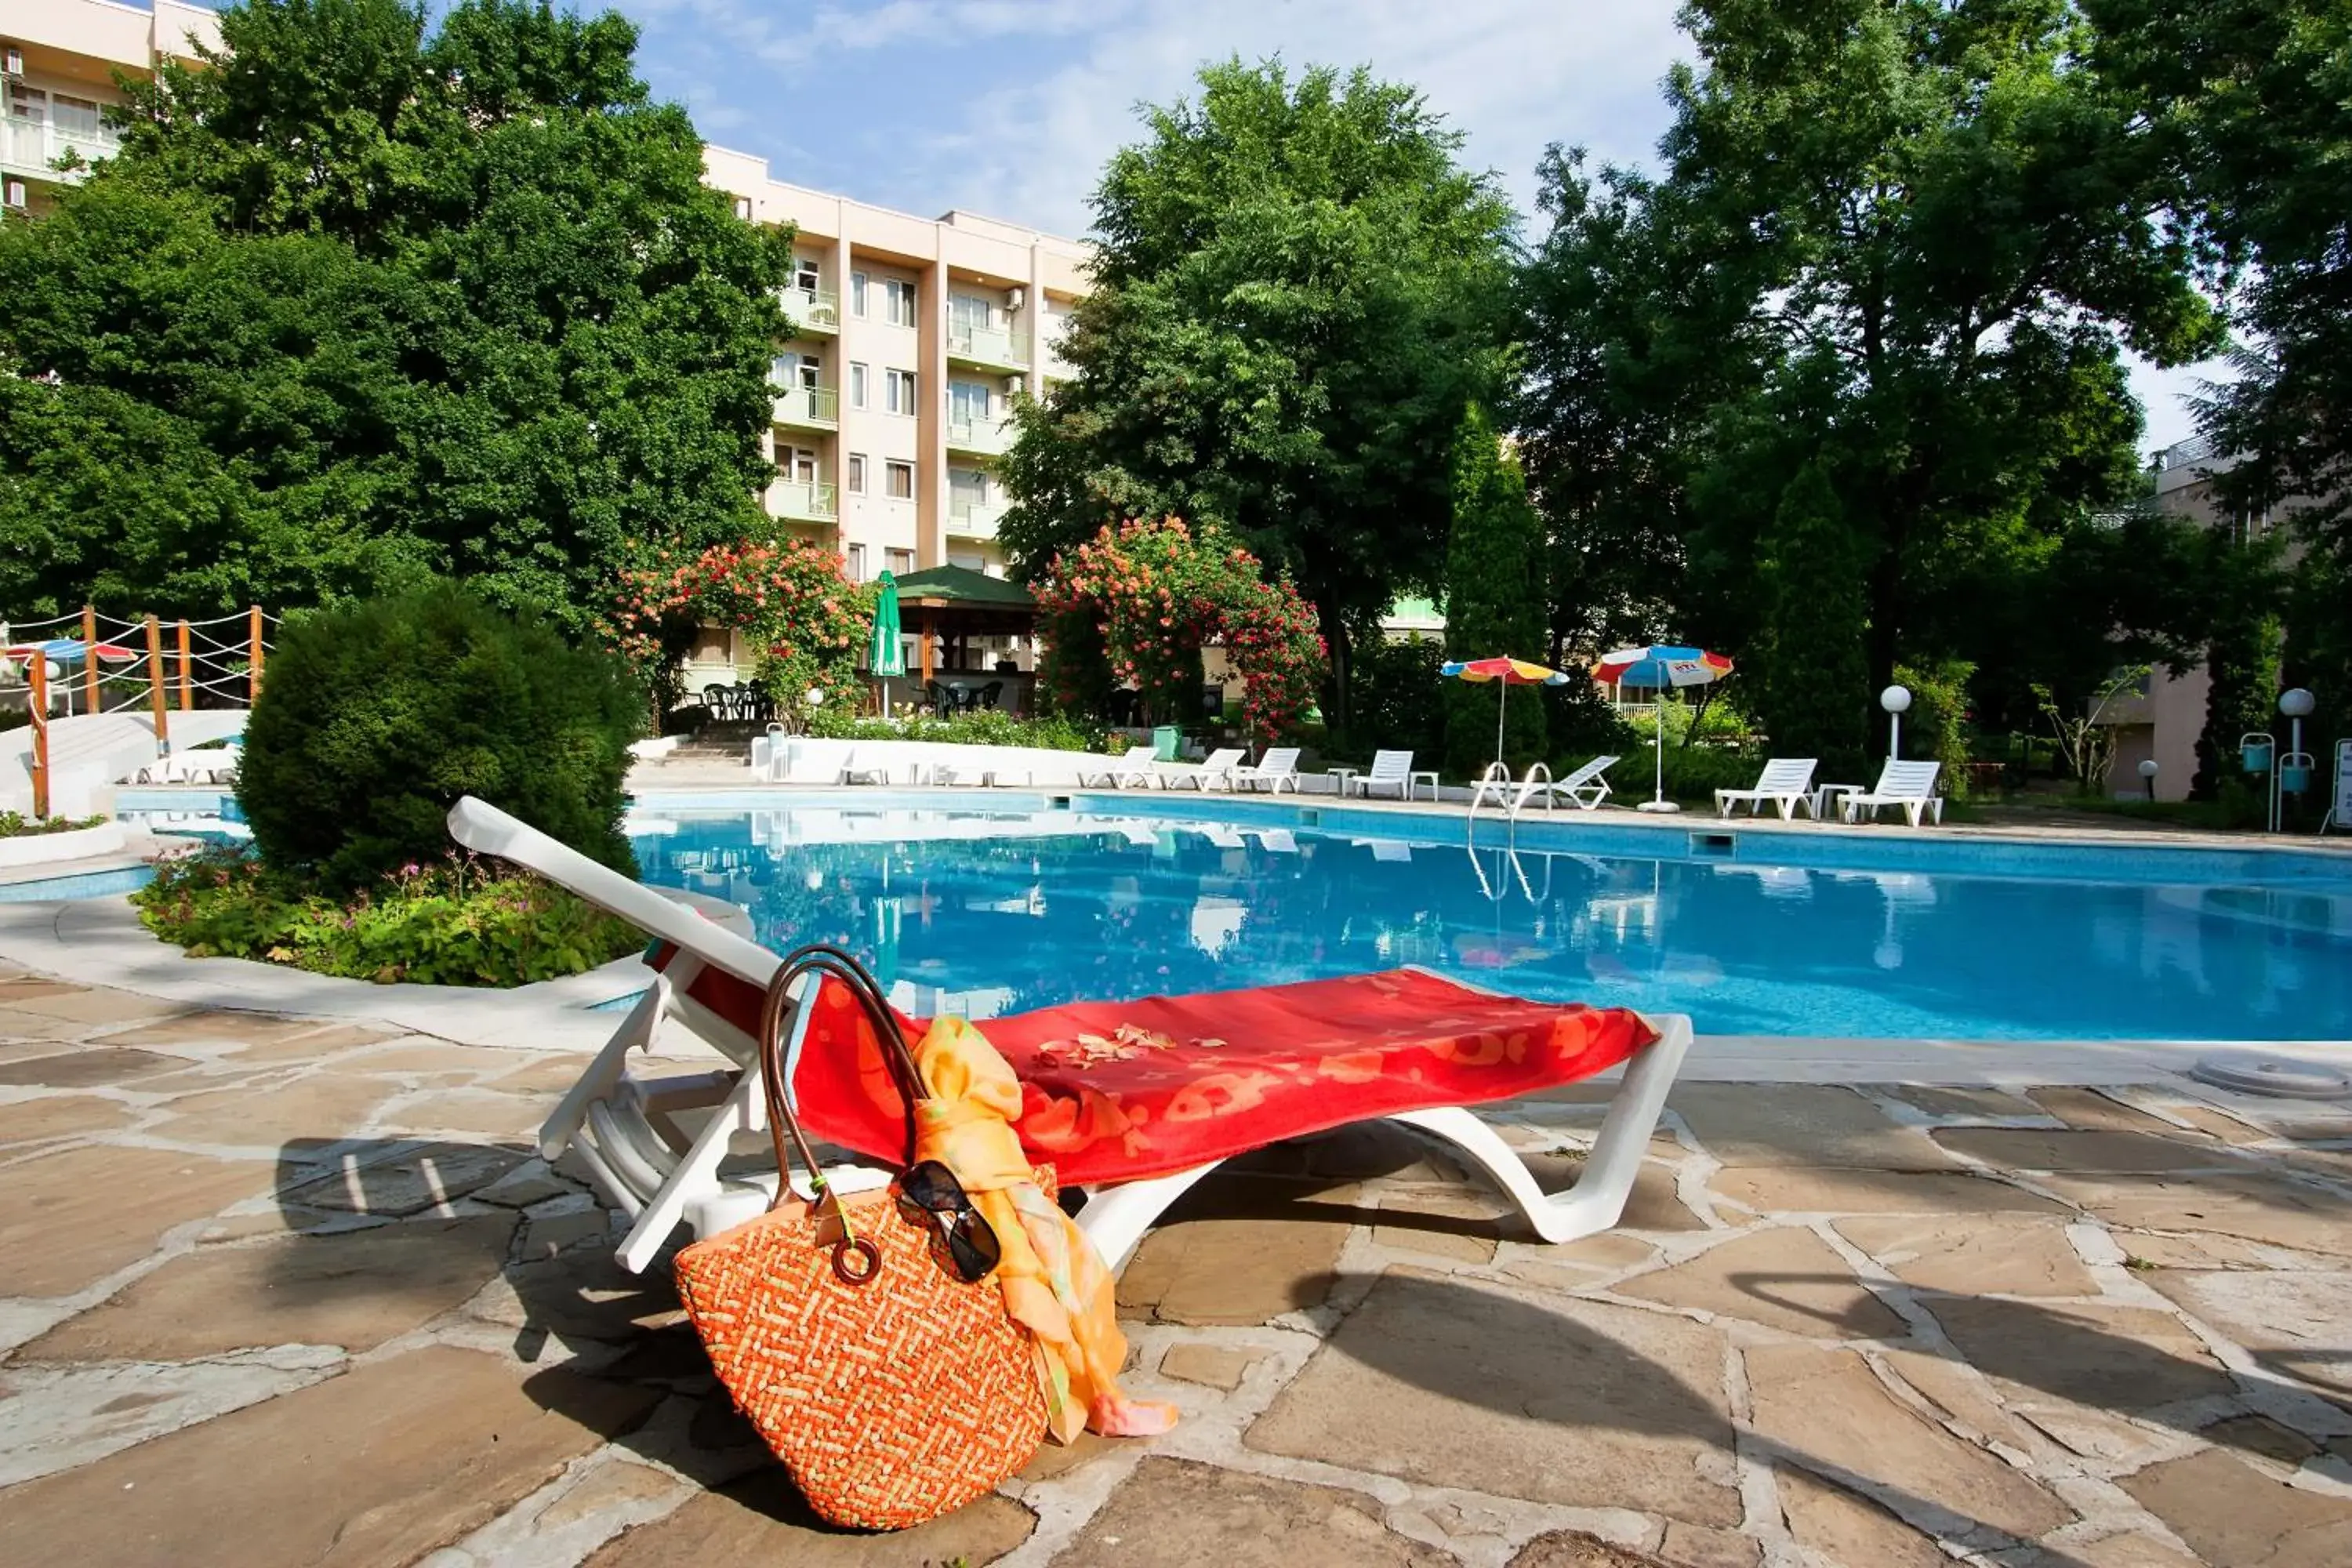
[(39, 672), (185, 701), (90, 657), (156, 686), (252, 664)]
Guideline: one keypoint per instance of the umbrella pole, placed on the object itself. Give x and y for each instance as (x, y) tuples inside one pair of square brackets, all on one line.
[(1658, 795), (1502, 696)]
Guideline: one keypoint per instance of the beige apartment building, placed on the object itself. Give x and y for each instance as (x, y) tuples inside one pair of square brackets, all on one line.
[(912, 337), (57, 62)]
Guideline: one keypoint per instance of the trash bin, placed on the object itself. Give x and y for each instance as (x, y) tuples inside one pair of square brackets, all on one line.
[(2255, 756), (1166, 741), (2295, 777)]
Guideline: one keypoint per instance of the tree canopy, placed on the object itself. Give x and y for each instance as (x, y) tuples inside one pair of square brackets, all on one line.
[(361, 301), (1299, 290), (1849, 368)]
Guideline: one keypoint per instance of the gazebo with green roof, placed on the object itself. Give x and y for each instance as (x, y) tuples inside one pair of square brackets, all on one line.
[(956, 604)]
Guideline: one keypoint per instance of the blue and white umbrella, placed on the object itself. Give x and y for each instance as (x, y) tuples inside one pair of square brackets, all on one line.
[(1659, 668)]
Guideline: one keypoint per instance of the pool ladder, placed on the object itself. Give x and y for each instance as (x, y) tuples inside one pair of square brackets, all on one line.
[(1497, 782)]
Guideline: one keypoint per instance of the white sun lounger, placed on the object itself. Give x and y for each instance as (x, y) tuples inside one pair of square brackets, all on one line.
[(627, 1130), (1392, 770), (852, 770), (1586, 787), (1133, 769), (1278, 767), (1219, 767), (1911, 785), (1785, 782)]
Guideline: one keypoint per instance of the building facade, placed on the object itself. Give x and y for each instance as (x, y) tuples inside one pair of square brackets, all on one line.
[(912, 336), (58, 65)]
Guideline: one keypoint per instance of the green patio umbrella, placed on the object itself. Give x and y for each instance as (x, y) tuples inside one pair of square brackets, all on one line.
[(886, 657)]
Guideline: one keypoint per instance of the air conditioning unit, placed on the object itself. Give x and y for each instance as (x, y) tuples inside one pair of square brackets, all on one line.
[(1016, 299), (1014, 385), (11, 61), (12, 194)]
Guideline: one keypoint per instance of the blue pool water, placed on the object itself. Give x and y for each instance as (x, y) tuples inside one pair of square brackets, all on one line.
[(993, 910)]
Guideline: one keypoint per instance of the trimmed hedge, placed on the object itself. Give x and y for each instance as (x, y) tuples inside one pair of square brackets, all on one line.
[(375, 718)]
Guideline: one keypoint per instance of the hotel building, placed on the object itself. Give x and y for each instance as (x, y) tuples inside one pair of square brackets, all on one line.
[(912, 337), (58, 60)]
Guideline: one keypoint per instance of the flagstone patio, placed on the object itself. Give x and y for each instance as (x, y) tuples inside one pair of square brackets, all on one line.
[(286, 1290)]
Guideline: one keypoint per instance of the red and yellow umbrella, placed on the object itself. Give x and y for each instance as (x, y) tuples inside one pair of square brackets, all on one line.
[(1507, 672)]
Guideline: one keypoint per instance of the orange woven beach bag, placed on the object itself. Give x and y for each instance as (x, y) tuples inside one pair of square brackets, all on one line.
[(892, 1391)]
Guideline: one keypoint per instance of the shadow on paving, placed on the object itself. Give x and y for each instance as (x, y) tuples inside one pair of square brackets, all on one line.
[(1591, 1380)]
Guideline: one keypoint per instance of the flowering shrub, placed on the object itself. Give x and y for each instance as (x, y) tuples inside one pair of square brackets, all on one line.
[(792, 598), (454, 922), (1138, 602), (989, 726)]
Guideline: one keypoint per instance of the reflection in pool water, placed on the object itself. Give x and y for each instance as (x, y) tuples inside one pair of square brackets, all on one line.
[(986, 913)]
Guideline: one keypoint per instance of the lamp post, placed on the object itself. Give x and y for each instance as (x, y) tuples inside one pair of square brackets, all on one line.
[(2148, 776), (1896, 700), (2295, 768)]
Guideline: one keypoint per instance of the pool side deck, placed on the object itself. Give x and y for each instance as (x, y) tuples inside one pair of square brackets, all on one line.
[(285, 1285)]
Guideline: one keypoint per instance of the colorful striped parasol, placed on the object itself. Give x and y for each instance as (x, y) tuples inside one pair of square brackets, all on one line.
[(1506, 672)]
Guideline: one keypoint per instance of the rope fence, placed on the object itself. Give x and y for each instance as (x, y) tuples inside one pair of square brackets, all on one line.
[(156, 666)]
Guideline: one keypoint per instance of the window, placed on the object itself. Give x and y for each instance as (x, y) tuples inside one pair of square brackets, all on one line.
[(856, 382), (858, 293), (968, 487), (901, 562), (901, 477), (856, 558), (968, 401), (804, 273), (797, 464), (971, 563), (898, 302), (857, 476), (810, 365), (743, 208), (966, 311), (898, 390)]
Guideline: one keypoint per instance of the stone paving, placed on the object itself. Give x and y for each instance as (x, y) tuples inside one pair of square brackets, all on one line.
[(284, 1290)]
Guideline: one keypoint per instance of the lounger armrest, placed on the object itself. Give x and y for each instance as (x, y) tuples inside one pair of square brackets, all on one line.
[(483, 827)]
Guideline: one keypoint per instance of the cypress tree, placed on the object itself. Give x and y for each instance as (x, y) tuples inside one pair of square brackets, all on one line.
[(1812, 686), (1494, 597)]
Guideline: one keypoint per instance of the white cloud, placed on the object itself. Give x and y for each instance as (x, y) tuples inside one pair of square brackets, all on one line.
[(1514, 75)]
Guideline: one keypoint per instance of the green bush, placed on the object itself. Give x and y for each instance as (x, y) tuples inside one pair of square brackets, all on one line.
[(1937, 726), (16, 824), (375, 719), (457, 922), (989, 726)]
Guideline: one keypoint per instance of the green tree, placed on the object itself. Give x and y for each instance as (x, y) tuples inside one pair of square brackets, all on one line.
[(1494, 597), (1809, 677), (359, 301), (2253, 101), (1917, 237), (1299, 290)]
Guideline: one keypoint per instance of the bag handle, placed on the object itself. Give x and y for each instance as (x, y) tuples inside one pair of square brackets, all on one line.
[(822, 961)]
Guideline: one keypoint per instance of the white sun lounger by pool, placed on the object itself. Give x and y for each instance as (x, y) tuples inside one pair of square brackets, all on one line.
[(1785, 782), (1911, 785), (1391, 771), (1220, 768), (1278, 767), (1134, 769), (1585, 788), (853, 771), (660, 1173)]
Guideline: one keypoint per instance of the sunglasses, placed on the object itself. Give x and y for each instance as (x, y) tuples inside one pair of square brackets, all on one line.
[(930, 1195)]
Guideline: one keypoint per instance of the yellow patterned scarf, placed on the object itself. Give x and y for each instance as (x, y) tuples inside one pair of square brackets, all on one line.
[(1054, 1281)]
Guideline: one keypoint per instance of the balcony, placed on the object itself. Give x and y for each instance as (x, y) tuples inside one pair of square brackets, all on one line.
[(803, 501), (988, 437), (973, 519), (809, 407), (993, 348), (812, 309), (29, 147)]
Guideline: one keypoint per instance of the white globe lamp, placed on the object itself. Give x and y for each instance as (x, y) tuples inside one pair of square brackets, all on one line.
[(1896, 700)]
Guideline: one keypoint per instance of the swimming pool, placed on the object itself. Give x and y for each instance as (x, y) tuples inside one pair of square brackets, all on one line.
[(999, 904)]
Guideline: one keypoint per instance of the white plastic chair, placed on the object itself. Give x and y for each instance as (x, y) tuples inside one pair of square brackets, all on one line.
[(1391, 770), (1218, 767), (1133, 769), (1911, 785), (1278, 767), (1785, 782)]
